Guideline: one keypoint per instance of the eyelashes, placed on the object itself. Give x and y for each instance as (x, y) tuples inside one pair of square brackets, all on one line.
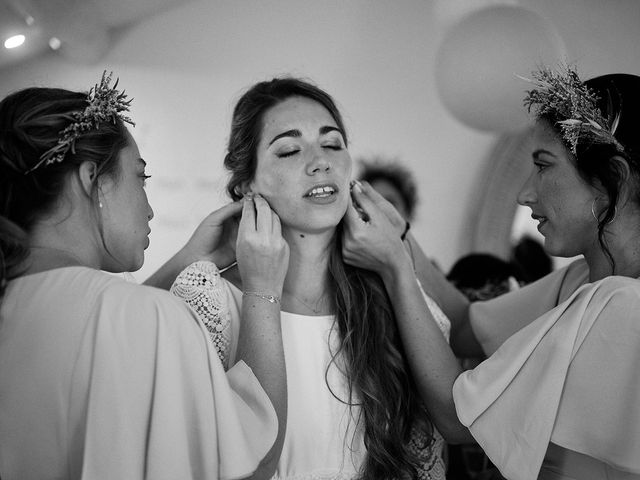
[(294, 152)]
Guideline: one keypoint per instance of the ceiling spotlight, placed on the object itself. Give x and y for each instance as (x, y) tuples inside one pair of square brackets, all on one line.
[(14, 41), (54, 43)]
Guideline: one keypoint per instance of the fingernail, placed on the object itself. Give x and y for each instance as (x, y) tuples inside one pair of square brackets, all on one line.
[(357, 186), (248, 195)]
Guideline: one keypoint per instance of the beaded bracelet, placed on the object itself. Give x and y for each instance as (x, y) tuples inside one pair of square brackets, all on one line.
[(264, 296), (407, 226)]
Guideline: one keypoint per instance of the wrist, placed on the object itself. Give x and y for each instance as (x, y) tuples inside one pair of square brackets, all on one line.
[(267, 297), (396, 267)]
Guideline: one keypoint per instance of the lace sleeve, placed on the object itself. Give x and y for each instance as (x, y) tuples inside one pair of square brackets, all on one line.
[(200, 286)]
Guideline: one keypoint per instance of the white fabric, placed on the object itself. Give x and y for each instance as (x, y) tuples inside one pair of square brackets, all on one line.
[(493, 321), (569, 377), (100, 378), (321, 440)]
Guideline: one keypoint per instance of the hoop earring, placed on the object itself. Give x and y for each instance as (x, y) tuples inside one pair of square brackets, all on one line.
[(593, 212)]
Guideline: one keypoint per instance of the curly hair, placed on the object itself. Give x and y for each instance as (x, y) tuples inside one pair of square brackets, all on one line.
[(369, 344)]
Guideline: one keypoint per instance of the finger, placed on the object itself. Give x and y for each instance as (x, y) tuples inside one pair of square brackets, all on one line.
[(225, 212), (263, 214), (364, 199), (248, 219), (352, 216), (276, 226)]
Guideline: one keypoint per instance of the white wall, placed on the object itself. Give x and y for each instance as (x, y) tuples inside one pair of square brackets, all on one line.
[(187, 66)]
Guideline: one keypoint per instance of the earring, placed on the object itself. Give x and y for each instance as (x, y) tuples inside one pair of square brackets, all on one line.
[(100, 204), (593, 212)]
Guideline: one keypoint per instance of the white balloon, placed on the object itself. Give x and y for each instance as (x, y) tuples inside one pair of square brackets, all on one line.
[(480, 58)]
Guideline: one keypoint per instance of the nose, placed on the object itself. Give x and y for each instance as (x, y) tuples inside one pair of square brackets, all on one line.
[(150, 214), (527, 194), (319, 163)]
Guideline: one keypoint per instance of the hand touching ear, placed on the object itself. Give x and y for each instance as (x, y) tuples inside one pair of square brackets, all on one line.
[(262, 252), (370, 238), (215, 238)]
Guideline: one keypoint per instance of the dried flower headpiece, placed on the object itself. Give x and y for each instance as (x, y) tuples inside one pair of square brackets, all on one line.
[(561, 94), (105, 104)]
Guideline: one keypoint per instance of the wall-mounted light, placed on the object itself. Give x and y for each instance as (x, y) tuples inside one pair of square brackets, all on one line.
[(14, 41)]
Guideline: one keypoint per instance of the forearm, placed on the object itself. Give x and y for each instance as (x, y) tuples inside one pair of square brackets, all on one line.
[(434, 366), (452, 302), (260, 347)]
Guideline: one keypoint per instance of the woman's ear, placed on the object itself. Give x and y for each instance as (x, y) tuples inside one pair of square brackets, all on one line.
[(88, 173), (243, 188)]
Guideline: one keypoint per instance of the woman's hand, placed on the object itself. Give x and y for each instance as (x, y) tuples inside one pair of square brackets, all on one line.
[(215, 238), (362, 189), (374, 244), (262, 252)]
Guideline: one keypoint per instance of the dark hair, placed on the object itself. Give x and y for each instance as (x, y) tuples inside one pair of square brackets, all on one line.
[(482, 276), (530, 256), (392, 171), (30, 124), (619, 101), (376, 368)]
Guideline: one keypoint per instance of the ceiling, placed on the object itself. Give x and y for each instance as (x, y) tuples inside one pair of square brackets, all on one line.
[(84, 28)]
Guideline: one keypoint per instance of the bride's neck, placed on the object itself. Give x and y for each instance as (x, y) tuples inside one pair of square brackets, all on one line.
[(309, 257)]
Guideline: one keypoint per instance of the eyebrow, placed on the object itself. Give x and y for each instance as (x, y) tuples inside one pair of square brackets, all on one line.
[(296, 133)]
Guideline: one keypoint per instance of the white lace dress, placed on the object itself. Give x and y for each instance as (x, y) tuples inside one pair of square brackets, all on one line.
[(322, 440)]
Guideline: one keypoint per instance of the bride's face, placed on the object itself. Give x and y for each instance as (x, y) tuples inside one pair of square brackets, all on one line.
[(303, 166)]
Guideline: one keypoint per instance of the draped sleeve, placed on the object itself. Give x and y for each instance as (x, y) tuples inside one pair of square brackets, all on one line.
[(495, 320), (159, 404), (569, 378)]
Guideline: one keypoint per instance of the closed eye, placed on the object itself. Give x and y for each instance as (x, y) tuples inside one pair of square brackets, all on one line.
[(290, 153), (540, 166)]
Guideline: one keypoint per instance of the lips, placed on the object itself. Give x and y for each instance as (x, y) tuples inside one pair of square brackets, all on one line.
[(324, 190), (540, 219)]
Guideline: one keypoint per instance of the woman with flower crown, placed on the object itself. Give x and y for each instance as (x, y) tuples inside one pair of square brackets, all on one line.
[(353, 410), (101, 378), (559, 395)]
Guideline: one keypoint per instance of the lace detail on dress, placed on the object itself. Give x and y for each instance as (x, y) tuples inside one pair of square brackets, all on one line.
[(200, 286), (429, 451), (441, 319), (316, 476)]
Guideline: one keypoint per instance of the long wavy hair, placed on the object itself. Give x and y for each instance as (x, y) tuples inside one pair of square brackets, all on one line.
[(369, 348), (30, 123), (619, 101)]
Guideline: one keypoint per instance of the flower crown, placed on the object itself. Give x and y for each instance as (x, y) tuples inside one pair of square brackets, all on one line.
[(105, 104), (561, 94)]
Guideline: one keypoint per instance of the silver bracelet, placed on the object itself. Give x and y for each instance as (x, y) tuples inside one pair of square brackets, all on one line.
[(264, 296)]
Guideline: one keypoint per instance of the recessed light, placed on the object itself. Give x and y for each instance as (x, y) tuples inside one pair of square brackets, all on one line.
[(54, 43), (14, 41)]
